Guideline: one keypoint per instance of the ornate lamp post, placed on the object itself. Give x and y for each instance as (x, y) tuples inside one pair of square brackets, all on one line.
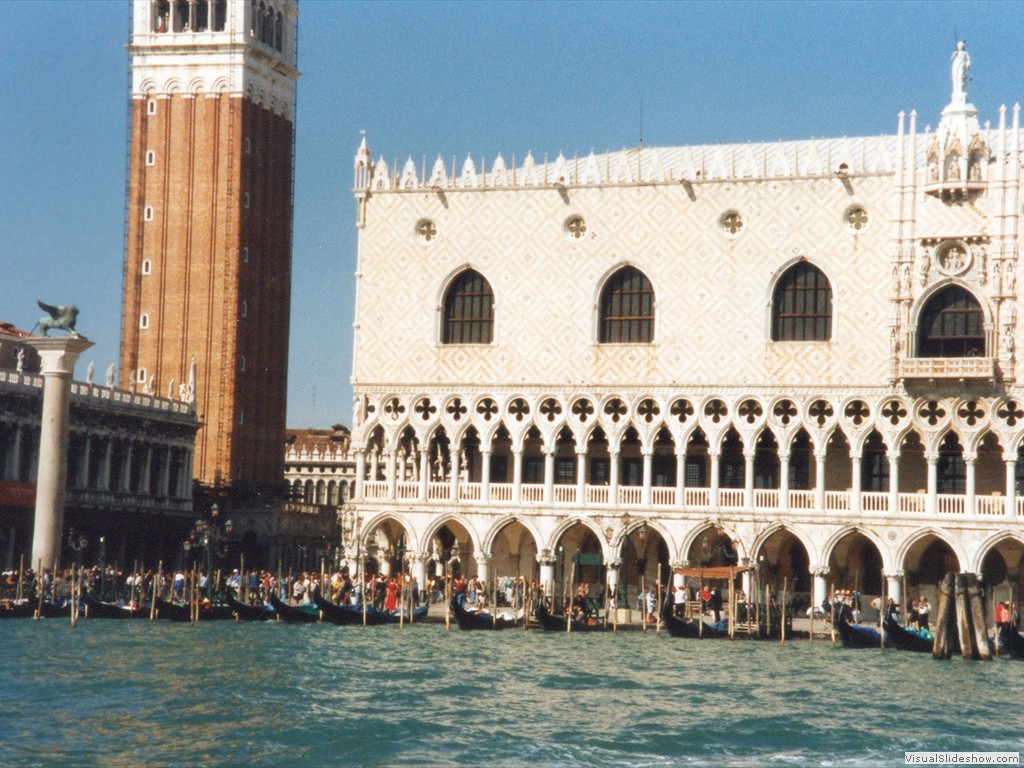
[(212, 537)]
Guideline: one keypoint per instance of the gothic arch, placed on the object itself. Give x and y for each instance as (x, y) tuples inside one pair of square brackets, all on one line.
[(598, 295), (773, 285), (441, 298), (453, 517), (989, 544), (923, 533), (690, 538), (498, 525), (771, 530), (552, 543), (379, 519), (842, 533)]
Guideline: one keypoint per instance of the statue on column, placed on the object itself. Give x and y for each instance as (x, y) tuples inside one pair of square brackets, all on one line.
[(960, 70)]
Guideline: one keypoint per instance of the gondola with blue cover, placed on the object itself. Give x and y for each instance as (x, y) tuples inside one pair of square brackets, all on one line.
[(683, 627), (294, 614), (854, 635), (905, 638)]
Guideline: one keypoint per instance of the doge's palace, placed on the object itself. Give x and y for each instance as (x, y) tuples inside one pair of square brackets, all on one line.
[(794, 357)]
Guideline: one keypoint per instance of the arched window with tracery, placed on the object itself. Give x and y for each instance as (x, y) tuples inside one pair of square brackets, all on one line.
[(469, 310), (802, 305), (951, 325), (627, 308)]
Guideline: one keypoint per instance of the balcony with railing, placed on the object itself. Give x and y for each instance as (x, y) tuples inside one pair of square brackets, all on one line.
[(666, 499), (947, 368)]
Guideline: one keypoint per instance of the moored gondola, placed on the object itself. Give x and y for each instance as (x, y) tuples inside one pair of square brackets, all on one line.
[(554, 622), (478, 619), (99, 609), (245, 612), (681, 627), (294, 614), (17, 609), (175, 612), (904, 638), (354, 614), (1010, 642), (854, 635)]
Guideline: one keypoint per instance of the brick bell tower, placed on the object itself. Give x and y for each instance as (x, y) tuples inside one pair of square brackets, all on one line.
[(207, 277)]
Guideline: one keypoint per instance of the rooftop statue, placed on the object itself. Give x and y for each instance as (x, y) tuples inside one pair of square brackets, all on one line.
[(60, 319), (961, 69)]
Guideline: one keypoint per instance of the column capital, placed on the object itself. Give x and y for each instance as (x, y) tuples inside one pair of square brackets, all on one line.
[(482, 558), (820, 571), (1009, 458), (546, 560), (57, 354), (616, 563), (893, 573), (932, 457), (674, 564)]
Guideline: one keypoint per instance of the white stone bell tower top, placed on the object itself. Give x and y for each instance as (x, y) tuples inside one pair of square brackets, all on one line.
[(242, 47)]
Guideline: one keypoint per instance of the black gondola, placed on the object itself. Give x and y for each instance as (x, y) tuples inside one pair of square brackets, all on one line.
[(1011, 642), (478, 619), (294, 614), (353, 614), (854, 635), (554, 622), (245, 612), (174, 612), (679, 627), (18, 609), (98, 609), (903, 638)]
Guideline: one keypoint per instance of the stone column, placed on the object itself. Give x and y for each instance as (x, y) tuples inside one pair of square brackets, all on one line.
[(820, 585), (485, 476), (483, 562), (748, 480), (419, 570), (819, 481), (517, 475), (715, 470), (645, 489), (783, 482), (681, 479), (391, 471), (1011, 484), (894, 482), (931, 501), (581, 477), (57, 357), (424, 474), (893, 582), (453, 481), (613, 478), (357, 492), (547, 574), (970, 505), (549, 476), (855, 506)]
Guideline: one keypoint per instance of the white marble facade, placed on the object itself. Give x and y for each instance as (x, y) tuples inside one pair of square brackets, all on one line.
[(875, 433)]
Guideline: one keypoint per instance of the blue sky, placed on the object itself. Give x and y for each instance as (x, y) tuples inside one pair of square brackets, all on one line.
[(461, 78)]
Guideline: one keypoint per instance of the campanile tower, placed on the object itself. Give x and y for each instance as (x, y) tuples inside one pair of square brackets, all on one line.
[(207, 280)]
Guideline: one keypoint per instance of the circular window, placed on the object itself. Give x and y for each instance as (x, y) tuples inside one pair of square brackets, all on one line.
[(576, 228), (731, 223), (426, 231), (856, 219)]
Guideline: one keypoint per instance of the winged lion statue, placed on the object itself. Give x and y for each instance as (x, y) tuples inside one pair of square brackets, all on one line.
[(60, 319)]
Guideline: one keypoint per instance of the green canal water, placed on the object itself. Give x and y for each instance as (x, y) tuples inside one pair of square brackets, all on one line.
[(133, 693)]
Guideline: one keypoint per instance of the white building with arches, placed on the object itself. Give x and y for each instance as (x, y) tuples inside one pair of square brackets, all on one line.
[(796, 356)]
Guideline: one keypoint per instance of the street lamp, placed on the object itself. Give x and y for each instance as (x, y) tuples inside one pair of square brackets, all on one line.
[(78, 545)]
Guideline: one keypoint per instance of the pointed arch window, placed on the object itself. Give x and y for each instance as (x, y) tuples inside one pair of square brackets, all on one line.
[(802, 305), (627, 308), (951, 325), (469, 310)]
